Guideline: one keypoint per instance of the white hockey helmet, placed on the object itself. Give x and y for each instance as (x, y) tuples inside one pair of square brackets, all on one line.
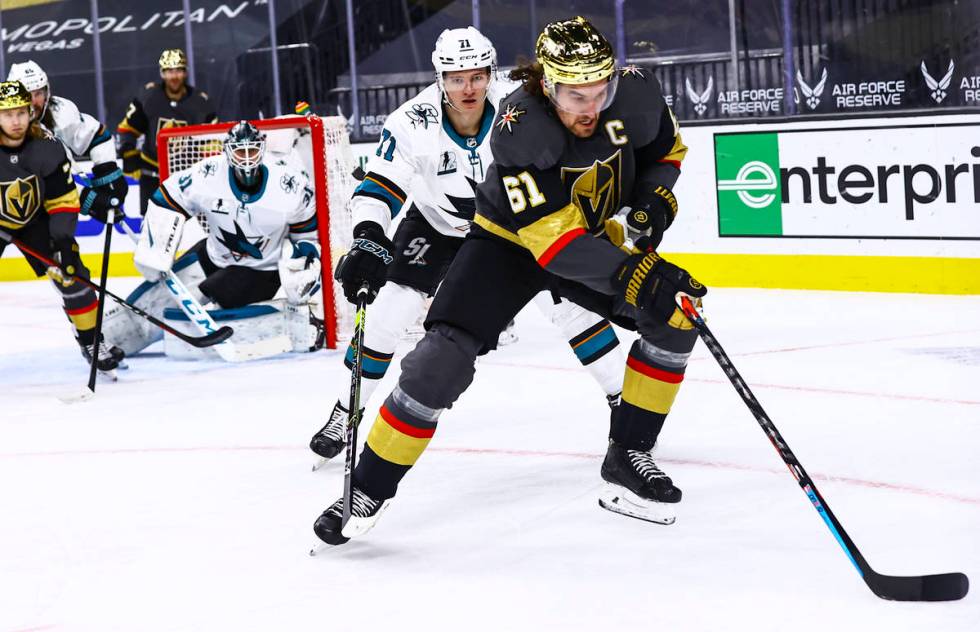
[(29, 74), (463, 49)]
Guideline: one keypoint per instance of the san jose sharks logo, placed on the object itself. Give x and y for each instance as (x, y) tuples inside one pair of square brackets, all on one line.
[(463, 207), (208, 169), (422, 114), (595, 189), (699, 99), (812, 94), (240, 245), (938, 88), (288, 183)]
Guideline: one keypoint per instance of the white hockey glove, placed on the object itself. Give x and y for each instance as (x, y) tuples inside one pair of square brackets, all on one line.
[(158, 242), (300, 272)]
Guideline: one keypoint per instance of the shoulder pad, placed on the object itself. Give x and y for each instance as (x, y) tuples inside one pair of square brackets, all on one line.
[(639, 103), (526, 132), (63, 109), (421, 113), (51, 153)]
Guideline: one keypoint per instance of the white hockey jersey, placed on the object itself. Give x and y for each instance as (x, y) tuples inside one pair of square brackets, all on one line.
[(80, 133), (244, 229), (421, 156)]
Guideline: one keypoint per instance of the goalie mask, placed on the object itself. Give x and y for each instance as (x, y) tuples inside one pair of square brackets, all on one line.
[(576, 59), (463, 49), (33, 78), (244, 148)]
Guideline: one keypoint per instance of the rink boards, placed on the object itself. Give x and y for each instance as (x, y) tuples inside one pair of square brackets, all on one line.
[(883, 204)]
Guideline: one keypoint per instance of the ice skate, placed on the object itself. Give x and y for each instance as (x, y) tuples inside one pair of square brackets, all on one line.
[(109, 357), (330, 440), (365, 512), (636, 487)]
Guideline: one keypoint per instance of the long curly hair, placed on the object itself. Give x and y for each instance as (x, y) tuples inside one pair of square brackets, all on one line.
[(529, 73)]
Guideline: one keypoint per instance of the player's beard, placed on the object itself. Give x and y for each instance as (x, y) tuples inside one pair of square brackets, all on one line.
[(585, 126), (174, 86), (14, 138)]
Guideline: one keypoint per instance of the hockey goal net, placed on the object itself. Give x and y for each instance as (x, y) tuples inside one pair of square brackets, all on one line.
[(321, 147)]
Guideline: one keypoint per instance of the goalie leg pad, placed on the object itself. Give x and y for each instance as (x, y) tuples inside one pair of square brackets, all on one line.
[(133, 333), (159, 239), (260, 332)]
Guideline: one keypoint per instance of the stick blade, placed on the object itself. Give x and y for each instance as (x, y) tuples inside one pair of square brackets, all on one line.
[(942, 587), (213, 338)]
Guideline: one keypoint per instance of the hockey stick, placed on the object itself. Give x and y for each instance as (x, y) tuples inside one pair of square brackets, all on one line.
[(198, 341), (192, 307), (101, 305), (354, 417), (943, 587)]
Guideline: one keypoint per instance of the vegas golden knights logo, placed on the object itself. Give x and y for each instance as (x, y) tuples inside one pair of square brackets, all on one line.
[(19, 200), (166, 123), (596, 189)]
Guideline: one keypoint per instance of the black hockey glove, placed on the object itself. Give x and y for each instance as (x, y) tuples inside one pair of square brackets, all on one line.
[(105, 193), (647, 283), (69, 261), (646, 223), (366, 262)]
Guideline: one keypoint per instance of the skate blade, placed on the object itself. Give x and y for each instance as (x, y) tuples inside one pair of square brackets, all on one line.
[(359, 526), (319, 463), (622, 501), (319, 548)]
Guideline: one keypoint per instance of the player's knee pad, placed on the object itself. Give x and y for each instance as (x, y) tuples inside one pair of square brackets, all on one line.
[(392, 313), (133, 333), (440, 367)]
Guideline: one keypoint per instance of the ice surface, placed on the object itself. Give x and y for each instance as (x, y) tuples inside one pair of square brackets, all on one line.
[(181, 498)]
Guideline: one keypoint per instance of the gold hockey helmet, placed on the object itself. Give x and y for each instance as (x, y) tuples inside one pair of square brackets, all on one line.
[(13, 95), (172, 58), (574, 52)]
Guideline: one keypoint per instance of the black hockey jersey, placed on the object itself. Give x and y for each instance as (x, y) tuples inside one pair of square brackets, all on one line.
[(153, 111), (35, 178), (551, 192)]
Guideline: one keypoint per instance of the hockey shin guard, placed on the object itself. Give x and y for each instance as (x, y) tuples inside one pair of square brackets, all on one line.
[(654, 372)]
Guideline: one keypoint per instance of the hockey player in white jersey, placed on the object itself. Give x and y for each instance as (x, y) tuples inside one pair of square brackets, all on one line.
[(252, 206), (433, 152), (82, 135)]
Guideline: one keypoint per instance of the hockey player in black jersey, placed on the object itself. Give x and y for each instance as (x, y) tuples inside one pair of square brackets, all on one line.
[(82, 136), (581, 141), (39, 207), (167, 103)]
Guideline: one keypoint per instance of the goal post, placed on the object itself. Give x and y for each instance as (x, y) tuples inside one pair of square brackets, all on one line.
[(320, 147)]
